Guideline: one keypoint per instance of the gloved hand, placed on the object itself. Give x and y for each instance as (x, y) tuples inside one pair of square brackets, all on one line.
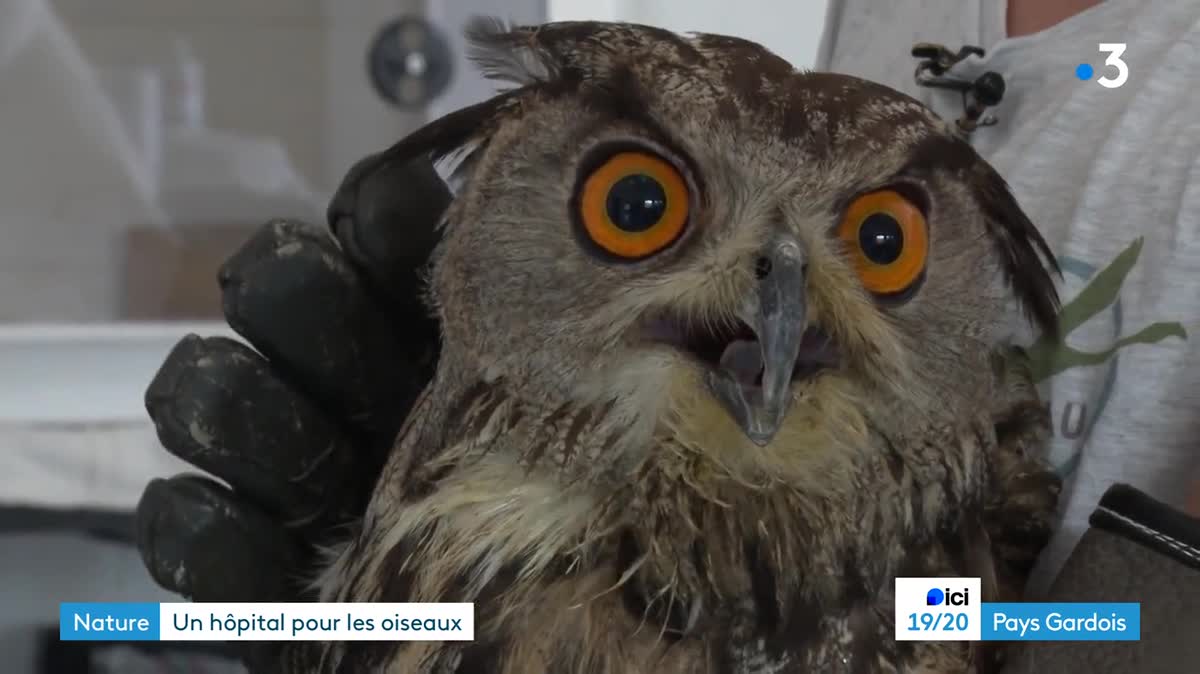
[(299, 429)]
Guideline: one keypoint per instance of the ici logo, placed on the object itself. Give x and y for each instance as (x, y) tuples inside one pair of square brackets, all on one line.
[(937, 597)]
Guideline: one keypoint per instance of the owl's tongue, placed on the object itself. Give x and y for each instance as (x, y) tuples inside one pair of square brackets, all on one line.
[(743, 359)]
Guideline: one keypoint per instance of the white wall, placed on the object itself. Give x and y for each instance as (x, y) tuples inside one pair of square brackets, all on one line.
[(264, 60), (790, 28), (291, 69), (295, 68)]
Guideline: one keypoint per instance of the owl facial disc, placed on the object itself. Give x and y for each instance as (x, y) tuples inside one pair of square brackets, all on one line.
[(777, 313)]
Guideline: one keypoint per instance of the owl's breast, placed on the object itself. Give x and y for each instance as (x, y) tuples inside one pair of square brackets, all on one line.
[(554, 521)]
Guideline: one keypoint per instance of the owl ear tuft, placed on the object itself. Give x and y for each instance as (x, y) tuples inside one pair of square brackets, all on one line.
[(504, 53), (1028, 263), (507, 53)]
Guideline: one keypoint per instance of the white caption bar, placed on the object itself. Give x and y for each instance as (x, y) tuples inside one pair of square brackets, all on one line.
[(316, 622)]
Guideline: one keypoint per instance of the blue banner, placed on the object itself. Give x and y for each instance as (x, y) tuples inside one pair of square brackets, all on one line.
[(1061, 622), (108, 622)]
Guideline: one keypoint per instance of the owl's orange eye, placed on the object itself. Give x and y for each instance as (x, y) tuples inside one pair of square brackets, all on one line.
[(887, 240), (633, 205)]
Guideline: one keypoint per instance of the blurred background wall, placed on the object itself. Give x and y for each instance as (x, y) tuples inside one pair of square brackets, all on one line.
[(188, 123), (289, 69)]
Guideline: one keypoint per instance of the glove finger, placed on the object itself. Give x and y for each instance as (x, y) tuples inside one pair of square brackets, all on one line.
[(385, 214), (219, 406), (291, 292), (200, 540)]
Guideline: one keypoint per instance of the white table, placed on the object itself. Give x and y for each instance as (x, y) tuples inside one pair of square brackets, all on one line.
[(74, 433)]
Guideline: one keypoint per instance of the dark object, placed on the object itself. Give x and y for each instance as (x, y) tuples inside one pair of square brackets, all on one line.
[(939, 60), (409, 63), (1137, 550), (299, 425), (107, 525), (1127, 512), (983, 92)]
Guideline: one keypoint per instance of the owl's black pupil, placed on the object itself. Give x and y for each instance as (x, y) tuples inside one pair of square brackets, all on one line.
[(636, 202), (881, 238)]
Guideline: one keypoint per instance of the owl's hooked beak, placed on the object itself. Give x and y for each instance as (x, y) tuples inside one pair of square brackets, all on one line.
[(777, 314)]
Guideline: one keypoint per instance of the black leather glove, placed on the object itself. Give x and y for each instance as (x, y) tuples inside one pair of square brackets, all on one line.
[(299, 427)]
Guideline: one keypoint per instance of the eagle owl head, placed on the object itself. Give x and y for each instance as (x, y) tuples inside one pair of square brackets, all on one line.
[(724, 245)]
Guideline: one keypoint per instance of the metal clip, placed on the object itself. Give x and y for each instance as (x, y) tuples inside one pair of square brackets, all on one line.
[(978, 95)]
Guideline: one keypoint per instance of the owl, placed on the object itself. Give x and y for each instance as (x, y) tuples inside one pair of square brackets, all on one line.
[(724, 352)]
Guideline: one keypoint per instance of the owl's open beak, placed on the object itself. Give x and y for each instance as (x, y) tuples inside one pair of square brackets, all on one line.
[(777, 314)]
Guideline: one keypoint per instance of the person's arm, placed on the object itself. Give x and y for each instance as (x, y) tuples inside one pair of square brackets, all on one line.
[(833, 25)]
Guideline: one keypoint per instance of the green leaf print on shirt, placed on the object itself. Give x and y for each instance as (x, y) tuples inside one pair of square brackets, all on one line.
[(1050, 354)]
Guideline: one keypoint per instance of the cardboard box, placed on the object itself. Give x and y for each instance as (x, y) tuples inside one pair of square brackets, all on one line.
[(171, 273)]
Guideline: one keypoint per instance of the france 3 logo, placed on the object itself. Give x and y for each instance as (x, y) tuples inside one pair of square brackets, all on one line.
[(1116, 71), (937, 609)]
